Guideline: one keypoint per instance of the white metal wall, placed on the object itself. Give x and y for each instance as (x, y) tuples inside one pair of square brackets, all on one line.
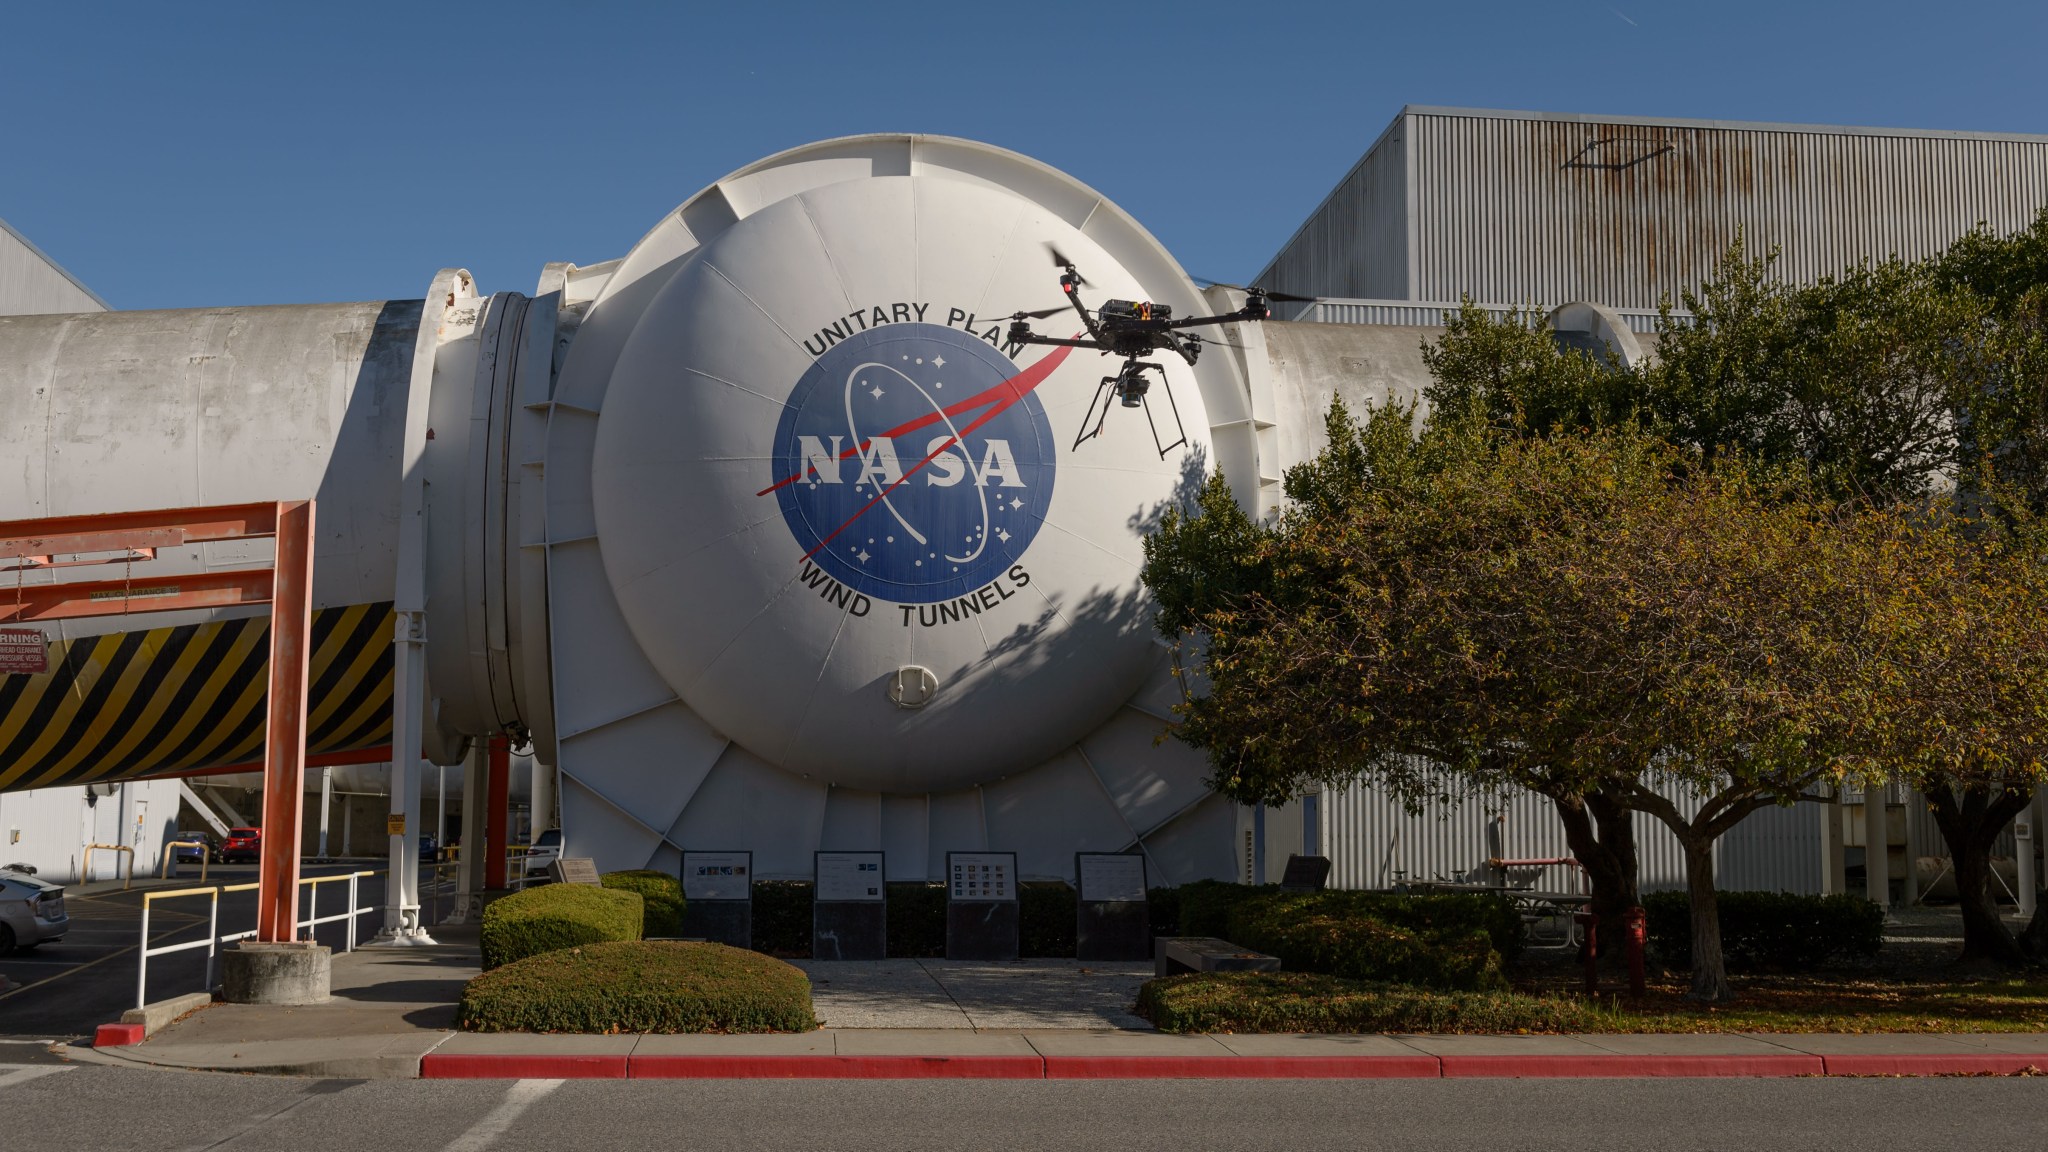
[(32, 283), (50, 827), (1375, 842)]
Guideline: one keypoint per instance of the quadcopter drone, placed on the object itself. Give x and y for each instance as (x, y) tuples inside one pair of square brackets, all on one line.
[(1133, 329)]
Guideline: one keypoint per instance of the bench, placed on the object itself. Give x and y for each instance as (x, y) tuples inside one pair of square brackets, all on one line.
[(1173, 955)]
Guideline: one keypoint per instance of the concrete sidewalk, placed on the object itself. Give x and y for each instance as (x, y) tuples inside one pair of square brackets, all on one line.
[(393, 1013)]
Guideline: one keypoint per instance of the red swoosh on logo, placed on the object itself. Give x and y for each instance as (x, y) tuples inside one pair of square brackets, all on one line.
[(1003, 395)]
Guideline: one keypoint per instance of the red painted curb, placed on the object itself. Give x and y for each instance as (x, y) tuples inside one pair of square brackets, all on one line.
[(1958, 1064), (1240, 1067), (116, 1035), (517, 1066), (680, 1067), (1617, 1064)]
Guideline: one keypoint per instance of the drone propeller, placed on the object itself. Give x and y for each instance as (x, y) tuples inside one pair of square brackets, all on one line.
[(1061, 262), (1269, 293), (1041, 314)]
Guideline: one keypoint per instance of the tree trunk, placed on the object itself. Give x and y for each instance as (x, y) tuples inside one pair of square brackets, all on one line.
[(1970, 824), (1601, 835), (1709, 966)]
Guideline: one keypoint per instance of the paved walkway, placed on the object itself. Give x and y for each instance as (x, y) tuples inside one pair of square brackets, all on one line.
[(393, 1012)]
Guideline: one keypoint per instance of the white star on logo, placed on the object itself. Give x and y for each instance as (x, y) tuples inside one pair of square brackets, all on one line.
[(877, 392), (863, 554), (1015, 503), (938, 361), (1003, 534)]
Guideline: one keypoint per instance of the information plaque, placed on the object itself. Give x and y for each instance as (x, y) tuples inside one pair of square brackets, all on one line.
[(1112, 918), (718, 897), (849, 907), (982, 919), (573, 870)]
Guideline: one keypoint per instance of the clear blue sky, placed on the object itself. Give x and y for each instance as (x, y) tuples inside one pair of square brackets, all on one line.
[(174, 155)]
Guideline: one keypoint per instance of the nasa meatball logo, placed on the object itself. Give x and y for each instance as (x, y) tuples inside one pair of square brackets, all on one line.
[(914, 464)]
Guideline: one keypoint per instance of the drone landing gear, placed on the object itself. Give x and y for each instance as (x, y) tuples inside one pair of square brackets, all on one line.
[(1129, 388)]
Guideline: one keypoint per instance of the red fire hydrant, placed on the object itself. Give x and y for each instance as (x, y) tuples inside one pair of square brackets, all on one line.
[(1635, 926)]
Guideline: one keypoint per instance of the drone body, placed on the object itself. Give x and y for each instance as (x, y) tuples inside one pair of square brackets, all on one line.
[(1133, 329)]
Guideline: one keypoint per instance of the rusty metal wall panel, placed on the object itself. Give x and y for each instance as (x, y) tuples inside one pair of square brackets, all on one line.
[(1626, 212), (1356, 242), (1533, 209)]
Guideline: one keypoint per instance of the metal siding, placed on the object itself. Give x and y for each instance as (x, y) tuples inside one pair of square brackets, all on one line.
[(1774, 849), (1374, 842), (1356, 241), (1430, 314), (1482, 204), (31, 284), (1501, 216)]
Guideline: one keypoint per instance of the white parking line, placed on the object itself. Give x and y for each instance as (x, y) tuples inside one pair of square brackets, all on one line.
[(25, 1072), (484, 1134)]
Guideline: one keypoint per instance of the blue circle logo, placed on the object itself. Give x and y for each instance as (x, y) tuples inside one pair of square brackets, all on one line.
[(914, 463)]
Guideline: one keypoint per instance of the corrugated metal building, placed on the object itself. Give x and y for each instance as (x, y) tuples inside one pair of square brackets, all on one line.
[(32, 284), (1536, 208), (1532, 209)]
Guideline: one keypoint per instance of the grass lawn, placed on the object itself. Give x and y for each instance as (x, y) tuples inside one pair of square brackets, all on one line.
[(1550, 1003), (1829, 1002)]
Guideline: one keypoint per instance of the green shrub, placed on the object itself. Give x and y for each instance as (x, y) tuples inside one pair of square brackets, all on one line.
[(1205, 906), (1046, 914), (782, 917), (1339, 934), (1770, 931), (1313, 1002), (556, 916), (662, 893), (1164, 905), (635, 986)]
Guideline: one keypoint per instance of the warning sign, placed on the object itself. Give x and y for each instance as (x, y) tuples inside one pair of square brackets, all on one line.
[(394, 825), (24, 650)]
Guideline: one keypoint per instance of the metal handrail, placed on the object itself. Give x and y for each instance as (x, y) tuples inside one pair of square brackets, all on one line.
[(85, 873), (215, 938), (170, 858)]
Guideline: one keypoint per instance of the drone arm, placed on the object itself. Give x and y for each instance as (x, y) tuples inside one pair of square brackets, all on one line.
[(1227, 318)]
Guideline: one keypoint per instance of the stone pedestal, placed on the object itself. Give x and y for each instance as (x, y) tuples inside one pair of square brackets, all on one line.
[(253, 973)]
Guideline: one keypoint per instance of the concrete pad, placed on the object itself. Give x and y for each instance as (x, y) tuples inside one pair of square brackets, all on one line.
[(1315, 1045), (1687, 1044), (738, 1044), (930, 1042), (155, 1016), (1031, 994), (880, 994), (1107, 1043), (1502, 1045)]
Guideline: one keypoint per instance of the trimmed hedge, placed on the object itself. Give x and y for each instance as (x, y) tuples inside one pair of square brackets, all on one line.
[(638, 986), (1347, 934), (662, 893), (556, 916), (1769, 931), (1313, 1002), (916, 919)]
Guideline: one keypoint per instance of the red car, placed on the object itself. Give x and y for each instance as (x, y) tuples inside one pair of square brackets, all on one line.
[(242, 844)]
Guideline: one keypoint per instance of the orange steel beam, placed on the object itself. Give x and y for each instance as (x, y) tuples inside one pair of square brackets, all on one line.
[(284, 742), (82, 598), (114, 531)]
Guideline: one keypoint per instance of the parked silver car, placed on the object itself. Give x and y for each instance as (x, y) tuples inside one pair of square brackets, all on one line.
[(31, 912), (546, 849)]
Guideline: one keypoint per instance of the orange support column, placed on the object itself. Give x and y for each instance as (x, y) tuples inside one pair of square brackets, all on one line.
[(284, 742), (501, 800)]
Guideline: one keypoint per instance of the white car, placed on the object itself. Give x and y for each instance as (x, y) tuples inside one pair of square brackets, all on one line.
[(547, 848), (31, 912)]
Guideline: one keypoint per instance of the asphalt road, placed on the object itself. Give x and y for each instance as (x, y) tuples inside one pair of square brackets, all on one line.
[(114, 1109), (68, 988)]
